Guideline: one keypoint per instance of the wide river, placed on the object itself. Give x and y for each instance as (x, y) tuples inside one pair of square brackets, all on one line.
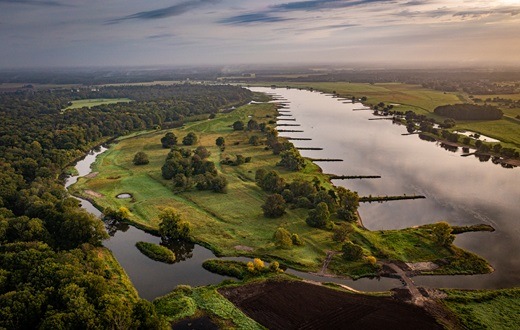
[(460, 190)]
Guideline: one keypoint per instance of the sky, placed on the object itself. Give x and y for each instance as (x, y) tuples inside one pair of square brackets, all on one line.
[(68, 33)]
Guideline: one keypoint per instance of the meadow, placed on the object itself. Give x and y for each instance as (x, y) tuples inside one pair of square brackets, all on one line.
[(89, 103), (233, 223)]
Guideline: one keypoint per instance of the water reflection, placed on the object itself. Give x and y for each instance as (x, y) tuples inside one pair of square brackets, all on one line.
[(458, 189)]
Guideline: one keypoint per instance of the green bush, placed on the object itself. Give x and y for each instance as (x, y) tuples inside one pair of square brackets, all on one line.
[(225, 267), (156, 252)]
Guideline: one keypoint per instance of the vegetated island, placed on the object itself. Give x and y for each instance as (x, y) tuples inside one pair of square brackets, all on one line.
[(244, 191), (156, 252)]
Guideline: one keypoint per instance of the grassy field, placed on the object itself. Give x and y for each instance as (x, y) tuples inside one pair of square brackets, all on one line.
[(233, 223), (403, 96), (496, 309), (89, 103), (406, 97), (186, 302)]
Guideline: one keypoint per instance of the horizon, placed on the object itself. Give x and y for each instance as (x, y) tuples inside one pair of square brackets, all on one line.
[(394, 34)]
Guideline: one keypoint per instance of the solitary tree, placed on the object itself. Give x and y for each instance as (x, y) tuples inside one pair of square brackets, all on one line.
[(190, 139), (169, 140), (238, 125), (341, 232), (220, 141), (274, 206), (141, 158), (172, 226), (352, 252), (319, 217), (442, 233), (252, 125)]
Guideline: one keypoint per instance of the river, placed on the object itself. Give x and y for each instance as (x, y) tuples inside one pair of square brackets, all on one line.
[(459, 190)]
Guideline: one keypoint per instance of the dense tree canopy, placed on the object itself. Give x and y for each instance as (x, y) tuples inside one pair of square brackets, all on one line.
[(51, 272), (469, 111)]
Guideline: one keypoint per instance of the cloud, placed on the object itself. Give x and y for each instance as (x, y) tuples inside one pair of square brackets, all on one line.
[(35, 3), (323, 4), (161, 36), (166, 12), (252, 18)]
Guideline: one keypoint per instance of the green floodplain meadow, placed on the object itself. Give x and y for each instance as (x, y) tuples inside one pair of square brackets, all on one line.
[(232, 223)]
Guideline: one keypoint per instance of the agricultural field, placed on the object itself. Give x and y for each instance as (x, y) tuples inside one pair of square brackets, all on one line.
[(89, 103)]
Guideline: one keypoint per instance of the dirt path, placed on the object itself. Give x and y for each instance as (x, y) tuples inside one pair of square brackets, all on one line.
[(327, 261), (417, 297)]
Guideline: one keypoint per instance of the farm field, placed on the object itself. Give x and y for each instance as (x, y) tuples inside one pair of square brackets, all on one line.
[(299, 305)]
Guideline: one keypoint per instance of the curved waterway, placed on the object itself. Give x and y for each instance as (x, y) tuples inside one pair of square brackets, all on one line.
[(153, 279), (459, 190)]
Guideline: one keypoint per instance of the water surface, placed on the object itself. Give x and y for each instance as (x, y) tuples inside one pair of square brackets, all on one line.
[(459, 190)]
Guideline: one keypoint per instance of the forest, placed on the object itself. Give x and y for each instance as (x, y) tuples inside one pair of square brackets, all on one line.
[(54, 272), (469, 112)]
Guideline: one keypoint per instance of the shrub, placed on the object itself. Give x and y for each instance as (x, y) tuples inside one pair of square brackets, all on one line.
[(141, 158), (371, 260), (220, 141), (238, 125), (254, 140), (259, 264), (296, 240), (352, 252), (274, 206), (282, 238)]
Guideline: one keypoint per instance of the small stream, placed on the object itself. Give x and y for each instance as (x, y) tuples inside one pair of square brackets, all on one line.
[(153, 279)]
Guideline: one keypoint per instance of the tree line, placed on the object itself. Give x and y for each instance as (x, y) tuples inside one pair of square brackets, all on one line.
[(51, 273)]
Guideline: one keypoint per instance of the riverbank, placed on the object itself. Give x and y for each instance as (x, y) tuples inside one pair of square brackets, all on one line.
[(224, 222)]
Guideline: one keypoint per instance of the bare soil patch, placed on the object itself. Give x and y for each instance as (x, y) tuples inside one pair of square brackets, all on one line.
[(91, 175), (243, 248), (299, 305), (93, 193)]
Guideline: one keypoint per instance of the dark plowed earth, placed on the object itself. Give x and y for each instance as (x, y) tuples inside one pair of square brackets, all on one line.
[(298, 305)]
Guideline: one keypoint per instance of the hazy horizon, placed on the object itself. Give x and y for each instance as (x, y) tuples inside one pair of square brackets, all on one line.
[(387, 33)]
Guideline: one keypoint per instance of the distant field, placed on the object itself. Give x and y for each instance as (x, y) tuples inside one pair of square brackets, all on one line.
[(403, 96), (423, 101), (89, 103)]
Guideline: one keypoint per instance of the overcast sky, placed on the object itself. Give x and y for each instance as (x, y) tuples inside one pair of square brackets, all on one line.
[(43, 33)]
